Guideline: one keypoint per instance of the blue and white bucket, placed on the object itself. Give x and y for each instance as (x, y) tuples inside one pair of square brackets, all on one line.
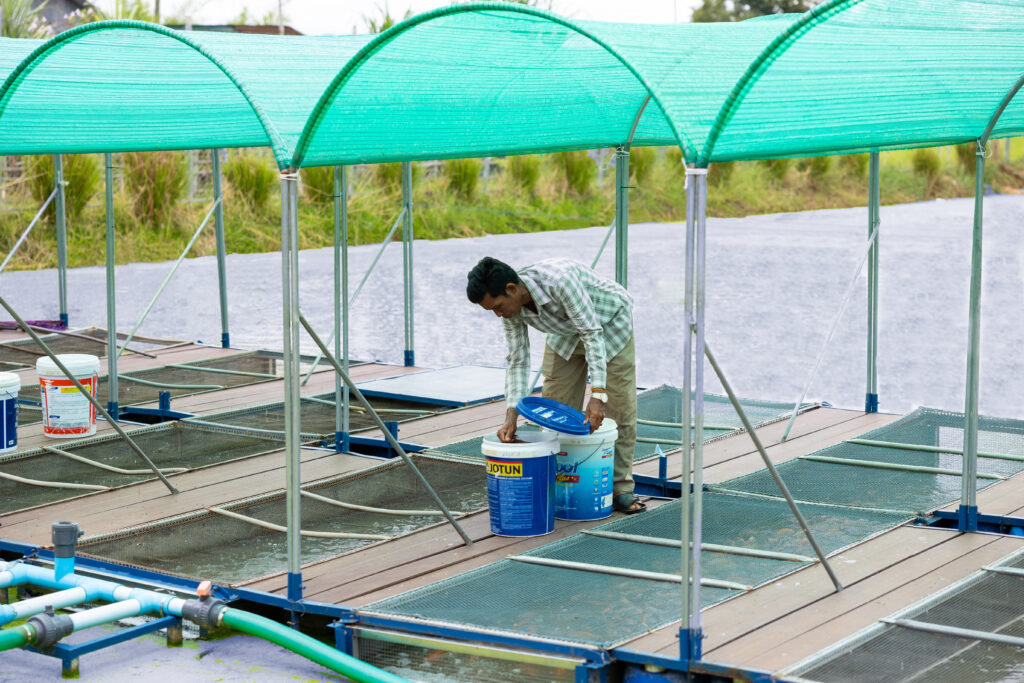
[(521, 483), (585, 474), (10, 384)]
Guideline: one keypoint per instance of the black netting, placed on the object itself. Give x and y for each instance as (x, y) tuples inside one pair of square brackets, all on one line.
[(171, 445), (226, 550)]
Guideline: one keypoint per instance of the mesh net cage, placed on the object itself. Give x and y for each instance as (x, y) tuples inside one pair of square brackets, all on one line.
[(438, 661), (600, 609), (987, 601), (230, 551), (25, 352), (179, 380), (169, 445), (318, 419), (664, 404), (916, 492)]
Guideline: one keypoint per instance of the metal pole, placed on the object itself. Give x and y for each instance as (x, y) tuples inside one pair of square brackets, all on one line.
[(874, 220), (968, 512), (407, 241), (341, 305), (88, 394), (381, 426), (686, 639), (699, 232), (167, 279), (771, 468), (25, 233), (222, 273), (62, 237), (359, 288), (290, 301), (621, 215), (112, 406)]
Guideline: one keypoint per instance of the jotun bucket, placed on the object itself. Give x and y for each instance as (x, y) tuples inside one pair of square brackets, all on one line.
[(521, 483)]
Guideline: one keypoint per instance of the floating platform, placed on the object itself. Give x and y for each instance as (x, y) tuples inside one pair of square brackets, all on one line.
[(400, 589)]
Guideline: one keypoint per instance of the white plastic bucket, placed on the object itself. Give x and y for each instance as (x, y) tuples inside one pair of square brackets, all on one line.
[(67, 414), (585, 474), (521, 483), (10, 384)]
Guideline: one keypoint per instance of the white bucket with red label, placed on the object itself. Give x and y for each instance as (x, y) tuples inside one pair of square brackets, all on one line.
[(67, 414)]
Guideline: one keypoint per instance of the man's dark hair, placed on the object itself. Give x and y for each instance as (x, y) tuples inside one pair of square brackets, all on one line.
[(489, 277)]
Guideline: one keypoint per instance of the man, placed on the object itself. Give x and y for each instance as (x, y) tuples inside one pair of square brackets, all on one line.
[(589, 325)]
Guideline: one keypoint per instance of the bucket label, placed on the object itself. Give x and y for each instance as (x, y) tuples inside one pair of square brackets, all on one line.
[(583, 480), (505, 469), (8, 420), (520, 494), (65, 410)]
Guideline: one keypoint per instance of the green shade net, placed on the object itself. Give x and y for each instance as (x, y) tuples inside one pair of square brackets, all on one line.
[(485, 79)]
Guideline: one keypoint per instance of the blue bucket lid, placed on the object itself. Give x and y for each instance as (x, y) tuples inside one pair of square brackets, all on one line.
[(553, 415)]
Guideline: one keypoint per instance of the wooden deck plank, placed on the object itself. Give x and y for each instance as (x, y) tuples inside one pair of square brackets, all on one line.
[(815, 627), (150, 501)]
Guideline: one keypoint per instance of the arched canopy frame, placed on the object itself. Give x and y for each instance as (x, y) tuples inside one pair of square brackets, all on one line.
[(372, 48)]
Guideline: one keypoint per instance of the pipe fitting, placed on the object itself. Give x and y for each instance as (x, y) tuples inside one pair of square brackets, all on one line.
[(205, 612), (65, 538), (50, 628)]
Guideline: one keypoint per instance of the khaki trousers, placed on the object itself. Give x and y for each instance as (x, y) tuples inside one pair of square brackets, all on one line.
[(566, 381)]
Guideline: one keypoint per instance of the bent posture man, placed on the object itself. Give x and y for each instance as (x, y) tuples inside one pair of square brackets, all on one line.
[(589, 326)]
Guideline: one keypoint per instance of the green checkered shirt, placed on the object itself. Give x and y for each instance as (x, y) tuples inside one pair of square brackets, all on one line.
[(573, 303)]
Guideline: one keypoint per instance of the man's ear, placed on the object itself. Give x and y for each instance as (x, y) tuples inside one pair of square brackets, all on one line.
[(511, 289)]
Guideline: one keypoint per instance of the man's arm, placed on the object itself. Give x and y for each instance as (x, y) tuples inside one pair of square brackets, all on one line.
[(517, 375)]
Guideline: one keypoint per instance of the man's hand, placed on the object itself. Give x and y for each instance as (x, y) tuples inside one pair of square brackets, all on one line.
[(507, 433), (595, 414)]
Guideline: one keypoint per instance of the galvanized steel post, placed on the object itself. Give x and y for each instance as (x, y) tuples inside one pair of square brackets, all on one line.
[(685, 639), (290, 306), (112, 406), (222, 273), (407, 241), (621, 215), (874, 220), (341, 304), (968, 512), (699, 254), (62, 237)]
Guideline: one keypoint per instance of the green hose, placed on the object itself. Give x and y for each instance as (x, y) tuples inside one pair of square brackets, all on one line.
[(11, 638), (308, 647)]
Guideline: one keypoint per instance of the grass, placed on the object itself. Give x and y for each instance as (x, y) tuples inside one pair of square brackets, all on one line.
[(503, 205)]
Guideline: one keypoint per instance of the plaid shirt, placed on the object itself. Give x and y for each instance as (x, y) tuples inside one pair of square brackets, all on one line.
[(573, 303)]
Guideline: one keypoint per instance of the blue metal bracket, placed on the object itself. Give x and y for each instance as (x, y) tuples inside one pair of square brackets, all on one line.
[(225, 340), (344, 636), (690, 646), (656, 487), (295, 586), (64, 320), (410, 358), (162, 413), (967, 518), (114, 410), (69, 654), (993, 524), (342, 442), (870, 403)]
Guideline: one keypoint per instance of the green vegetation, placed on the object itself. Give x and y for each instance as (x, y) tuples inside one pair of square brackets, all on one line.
[(251, 177), (738, 10), (523, 194), (155, 181), (462, 175), (81, 173)]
